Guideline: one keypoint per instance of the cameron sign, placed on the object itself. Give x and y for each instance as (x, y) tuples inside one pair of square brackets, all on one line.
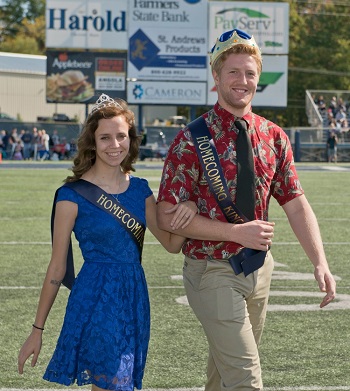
[(86, 24), (169, 93)]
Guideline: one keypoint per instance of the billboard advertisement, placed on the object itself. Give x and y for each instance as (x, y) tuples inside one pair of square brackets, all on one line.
[(268, 22), (80, 77), (171, 93), (273, 84), (86, 24), (168, 40)]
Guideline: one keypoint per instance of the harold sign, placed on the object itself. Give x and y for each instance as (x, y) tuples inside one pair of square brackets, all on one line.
[(86, 24)]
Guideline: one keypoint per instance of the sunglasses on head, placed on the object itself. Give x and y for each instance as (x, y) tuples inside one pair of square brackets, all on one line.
[(228, 34)]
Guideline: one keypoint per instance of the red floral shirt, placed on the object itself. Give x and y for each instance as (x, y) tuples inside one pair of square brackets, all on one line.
[(275, 173)]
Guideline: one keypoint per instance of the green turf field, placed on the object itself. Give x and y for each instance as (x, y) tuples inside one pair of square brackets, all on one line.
[(302, 345)]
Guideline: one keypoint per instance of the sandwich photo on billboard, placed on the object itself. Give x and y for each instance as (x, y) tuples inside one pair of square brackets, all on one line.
[(70, 86)]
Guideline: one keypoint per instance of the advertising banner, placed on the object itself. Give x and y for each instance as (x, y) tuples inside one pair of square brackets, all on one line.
[(170, 93), (80, 77), (168, 40), (86, 24), (268, 22), (272, 89)]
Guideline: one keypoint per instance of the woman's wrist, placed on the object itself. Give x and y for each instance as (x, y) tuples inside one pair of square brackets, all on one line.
[(37, 327)]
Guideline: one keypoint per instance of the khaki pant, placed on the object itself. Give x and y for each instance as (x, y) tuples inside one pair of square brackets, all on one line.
[(232, 311)]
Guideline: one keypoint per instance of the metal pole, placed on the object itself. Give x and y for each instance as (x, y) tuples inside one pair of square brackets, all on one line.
[(192, 113), (140, 119)]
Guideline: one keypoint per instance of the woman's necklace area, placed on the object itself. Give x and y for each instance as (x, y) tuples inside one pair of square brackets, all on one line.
[(116, 194), (116, 191)]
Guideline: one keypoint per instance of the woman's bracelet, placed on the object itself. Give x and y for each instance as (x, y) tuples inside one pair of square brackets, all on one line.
[(36, 327)]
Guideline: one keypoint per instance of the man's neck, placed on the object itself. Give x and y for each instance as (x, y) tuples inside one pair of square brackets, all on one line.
[(237, 112)]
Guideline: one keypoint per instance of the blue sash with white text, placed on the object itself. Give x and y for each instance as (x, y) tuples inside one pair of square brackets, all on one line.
[(108, 204), (247, 260)]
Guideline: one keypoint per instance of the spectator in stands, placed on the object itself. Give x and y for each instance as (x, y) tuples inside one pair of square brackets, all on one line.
[(333, 106), (43, 145), (1, 143), (45, 140), (35, 143), (13, 142), (143, 136), (66, 148), (27, 144), (341, 105), (73, 147), (332, 147), (321, 104), (4, 140), (55, 138), (14, 135), (62, 150), (2, 135), (17, 153), (341, 118), (330, 118)]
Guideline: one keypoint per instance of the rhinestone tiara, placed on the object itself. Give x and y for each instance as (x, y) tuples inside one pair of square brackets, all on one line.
[(104, 101)]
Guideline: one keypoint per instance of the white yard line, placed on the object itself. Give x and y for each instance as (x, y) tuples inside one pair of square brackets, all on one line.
[(13, 243), (312, 388)]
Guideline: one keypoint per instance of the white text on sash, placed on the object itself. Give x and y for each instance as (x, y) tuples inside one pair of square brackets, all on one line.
[(212, 172), (130, 223)]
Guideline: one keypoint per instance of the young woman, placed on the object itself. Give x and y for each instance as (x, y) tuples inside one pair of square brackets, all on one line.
[(105, 334)]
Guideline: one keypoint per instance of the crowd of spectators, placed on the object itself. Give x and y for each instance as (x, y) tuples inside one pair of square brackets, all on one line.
[(35, 145), (335, 113), (336, 118)]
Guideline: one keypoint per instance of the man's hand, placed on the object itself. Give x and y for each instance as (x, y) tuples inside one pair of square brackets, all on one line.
[(326, 283), (255, 234)]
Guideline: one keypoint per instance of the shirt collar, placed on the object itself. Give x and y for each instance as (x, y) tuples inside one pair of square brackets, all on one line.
[(228, 117)]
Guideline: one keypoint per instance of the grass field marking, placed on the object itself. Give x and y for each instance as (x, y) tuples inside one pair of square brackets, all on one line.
[(342, 303), (279, 275), (333, 168), (301, 388), (296, 276), (13, 243)]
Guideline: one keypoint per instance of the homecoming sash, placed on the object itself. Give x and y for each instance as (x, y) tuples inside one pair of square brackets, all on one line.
[(95, 195), (247, 260)]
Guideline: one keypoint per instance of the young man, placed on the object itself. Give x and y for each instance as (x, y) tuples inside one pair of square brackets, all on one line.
[(230, 305)]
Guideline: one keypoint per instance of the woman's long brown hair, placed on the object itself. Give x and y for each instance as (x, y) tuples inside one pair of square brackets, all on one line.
[(86, 152)]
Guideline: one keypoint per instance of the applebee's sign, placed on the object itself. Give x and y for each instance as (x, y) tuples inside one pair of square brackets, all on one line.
[(85, 24)]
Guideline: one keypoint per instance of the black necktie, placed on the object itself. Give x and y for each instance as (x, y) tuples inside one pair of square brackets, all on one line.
[(245, 193)]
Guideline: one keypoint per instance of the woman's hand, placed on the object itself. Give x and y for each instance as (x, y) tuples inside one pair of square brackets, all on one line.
[(32, 346), (184, 214)]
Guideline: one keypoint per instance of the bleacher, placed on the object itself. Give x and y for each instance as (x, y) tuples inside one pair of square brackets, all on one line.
[(310, 143)]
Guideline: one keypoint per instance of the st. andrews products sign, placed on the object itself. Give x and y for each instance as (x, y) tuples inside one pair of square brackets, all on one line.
[(86, 24)]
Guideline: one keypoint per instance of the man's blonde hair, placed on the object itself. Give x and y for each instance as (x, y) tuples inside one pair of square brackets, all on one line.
[(238, 49)]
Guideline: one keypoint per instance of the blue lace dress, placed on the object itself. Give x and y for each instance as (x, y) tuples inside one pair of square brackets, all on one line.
[(106, 329)]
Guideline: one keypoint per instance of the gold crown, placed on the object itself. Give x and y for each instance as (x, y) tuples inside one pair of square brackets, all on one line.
[(234, 39), (104, 101)]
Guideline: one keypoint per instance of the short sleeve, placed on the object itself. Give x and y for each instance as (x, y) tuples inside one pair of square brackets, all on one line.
[(64, 193), (144, 187), (286, 185), (181, 170)]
